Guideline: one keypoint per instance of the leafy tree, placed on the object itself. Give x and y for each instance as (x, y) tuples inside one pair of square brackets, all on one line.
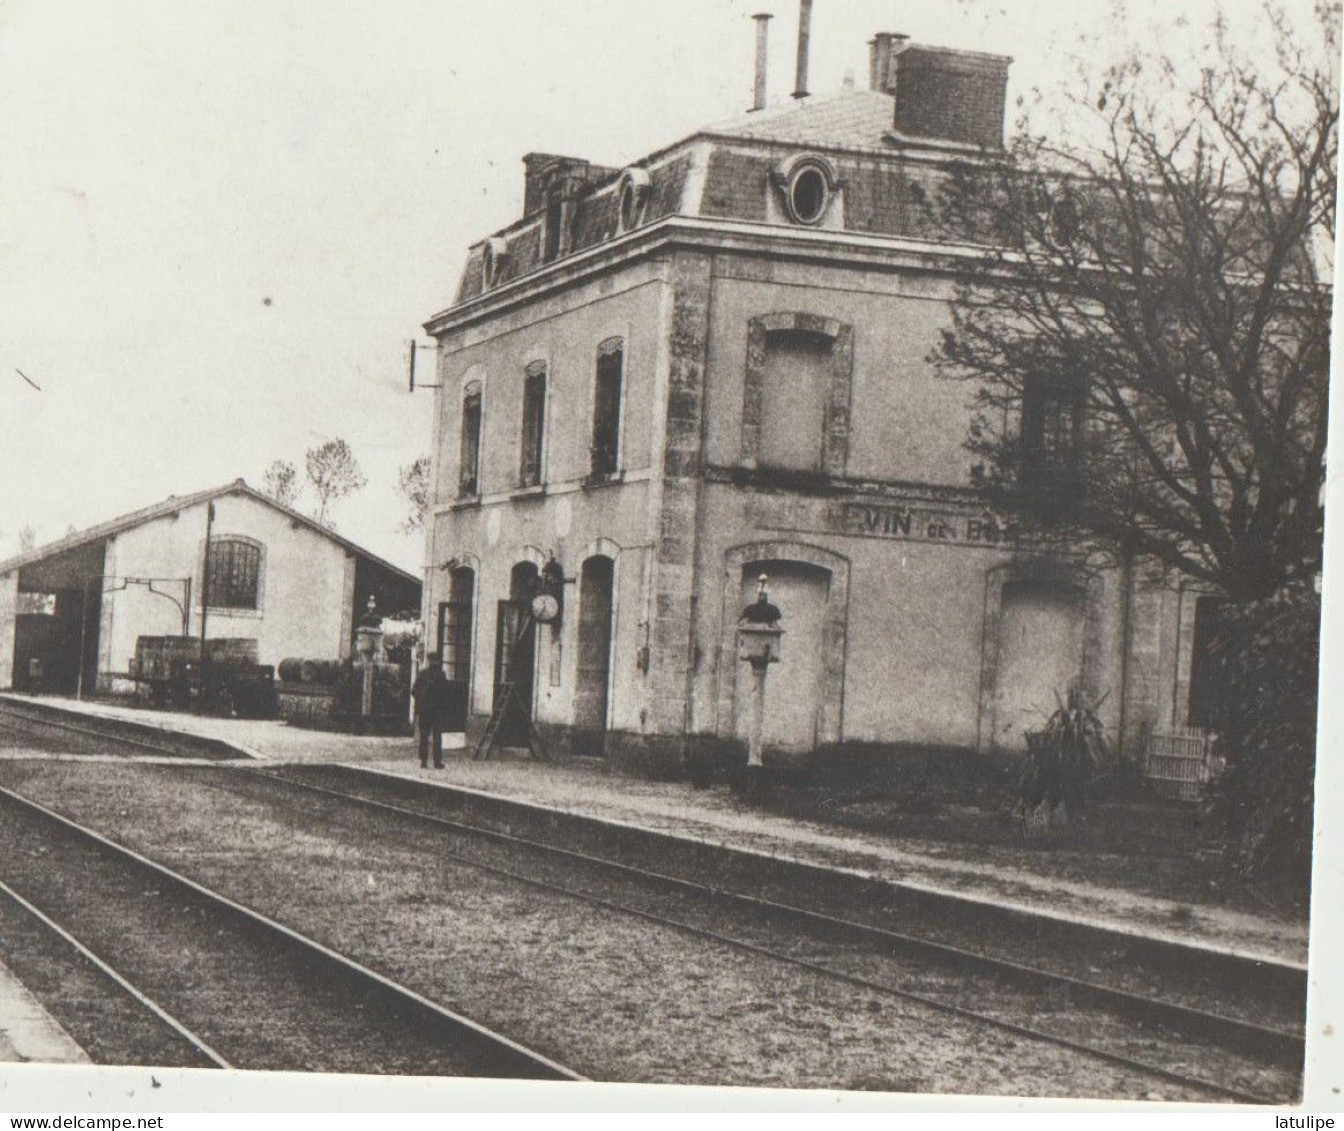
[(334, 473), (414, 486), (27, 537), (1149, 339), (281, 482)]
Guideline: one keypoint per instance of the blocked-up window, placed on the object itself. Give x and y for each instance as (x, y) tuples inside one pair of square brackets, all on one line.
[(534, 423), (469, 469), (235, 574), (797, 383), (607, 407)]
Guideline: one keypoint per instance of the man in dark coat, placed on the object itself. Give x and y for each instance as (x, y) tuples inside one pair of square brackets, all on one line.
[(430, 693)]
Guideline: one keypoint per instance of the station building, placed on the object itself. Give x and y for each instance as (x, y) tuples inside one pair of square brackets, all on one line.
[(78, 605), (672, 377)]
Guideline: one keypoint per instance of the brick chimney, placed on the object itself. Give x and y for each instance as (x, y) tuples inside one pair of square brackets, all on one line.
[(942, 94)]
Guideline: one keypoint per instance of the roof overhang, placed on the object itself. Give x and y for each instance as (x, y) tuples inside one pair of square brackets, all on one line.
[(716, 236)]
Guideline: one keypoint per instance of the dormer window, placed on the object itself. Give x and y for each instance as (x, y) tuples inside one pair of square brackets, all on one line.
[(632, 198), (808, 185), (492, 261), (552, 225)]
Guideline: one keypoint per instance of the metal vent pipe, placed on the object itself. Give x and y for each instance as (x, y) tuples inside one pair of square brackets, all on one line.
[(762, 49), (804, 33)]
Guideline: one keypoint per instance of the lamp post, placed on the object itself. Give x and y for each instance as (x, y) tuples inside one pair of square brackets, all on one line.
[(758, 638), (368, 642)]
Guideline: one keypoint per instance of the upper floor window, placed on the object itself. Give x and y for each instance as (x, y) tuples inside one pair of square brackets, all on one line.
[(534, 423), (235, 573), (607, 407), (469, 467), (1052, 421)]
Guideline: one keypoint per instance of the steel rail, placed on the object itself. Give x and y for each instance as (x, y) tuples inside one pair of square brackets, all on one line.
[(1025, 1031), (102, 736), (538, 1065), (140, 997), (1285, 1047)]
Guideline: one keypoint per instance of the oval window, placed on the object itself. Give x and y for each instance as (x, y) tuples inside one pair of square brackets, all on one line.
[(808, 194)]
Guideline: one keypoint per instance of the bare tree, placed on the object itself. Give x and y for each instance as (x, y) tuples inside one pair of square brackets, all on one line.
[(1149, 339), (414, 486), (334, 473), (1148, 345), (281, 482)]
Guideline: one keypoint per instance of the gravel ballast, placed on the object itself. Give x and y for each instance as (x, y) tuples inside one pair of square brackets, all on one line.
[(614, 997)]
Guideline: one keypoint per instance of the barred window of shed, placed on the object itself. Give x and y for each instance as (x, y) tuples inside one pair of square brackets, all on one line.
[(235, 571)]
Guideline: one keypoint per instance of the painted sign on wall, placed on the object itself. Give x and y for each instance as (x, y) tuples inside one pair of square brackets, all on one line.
[(872, 520)]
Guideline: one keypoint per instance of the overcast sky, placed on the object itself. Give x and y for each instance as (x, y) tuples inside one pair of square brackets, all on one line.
[(220, 222)]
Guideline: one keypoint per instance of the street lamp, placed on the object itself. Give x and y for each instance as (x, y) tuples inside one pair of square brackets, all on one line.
[(368, 643), (758, 637)]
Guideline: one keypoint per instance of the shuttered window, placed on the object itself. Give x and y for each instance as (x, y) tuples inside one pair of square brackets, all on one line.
[(470, 468), (534, 423), (607, 407)]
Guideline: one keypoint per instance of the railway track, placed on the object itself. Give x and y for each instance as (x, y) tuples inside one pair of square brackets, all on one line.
[(307, 1008), (1160, 1032), (1147, 1034), (22, 721)]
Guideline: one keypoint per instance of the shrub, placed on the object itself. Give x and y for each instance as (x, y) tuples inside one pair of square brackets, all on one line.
[(1268, 653), (1061, 760)]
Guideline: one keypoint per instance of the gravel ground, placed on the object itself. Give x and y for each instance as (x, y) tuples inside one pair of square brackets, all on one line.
[(1113, 963), (1105, 887), (1170, 896), (953, 983), (614, 997)]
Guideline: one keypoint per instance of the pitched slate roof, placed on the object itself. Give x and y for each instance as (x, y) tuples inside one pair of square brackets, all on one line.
[(180, 502), (849, 119)]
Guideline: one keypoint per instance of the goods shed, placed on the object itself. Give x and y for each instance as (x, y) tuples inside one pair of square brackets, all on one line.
[(71, 612)]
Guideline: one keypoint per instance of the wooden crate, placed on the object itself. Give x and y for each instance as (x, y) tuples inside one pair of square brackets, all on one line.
[(1180, 762)]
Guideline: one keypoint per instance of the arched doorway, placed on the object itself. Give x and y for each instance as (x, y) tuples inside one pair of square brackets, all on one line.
[(516, 656), (795, 689), (1040, 654), (456, 624), (592, 689)]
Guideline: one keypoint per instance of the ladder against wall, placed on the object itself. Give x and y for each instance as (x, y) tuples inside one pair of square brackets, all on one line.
[(508, 701), (511, 694)]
